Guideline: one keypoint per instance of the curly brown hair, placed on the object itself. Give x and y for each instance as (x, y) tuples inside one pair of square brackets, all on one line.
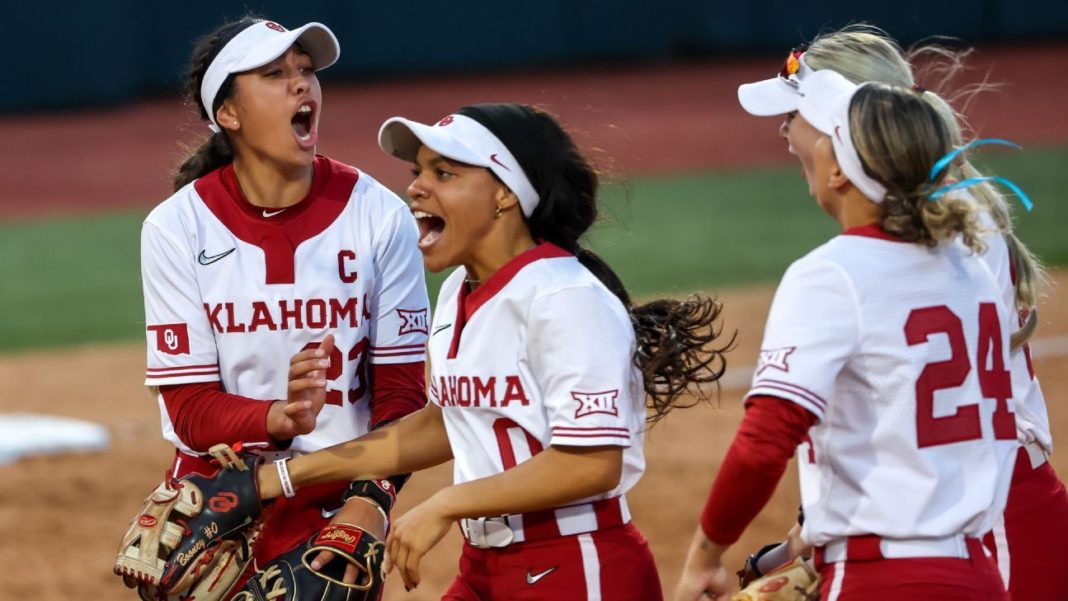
[(679, 350)]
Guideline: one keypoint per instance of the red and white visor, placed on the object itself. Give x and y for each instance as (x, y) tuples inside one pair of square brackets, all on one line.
[(259, 44), (778, 95), (824, 98), (462, 139)]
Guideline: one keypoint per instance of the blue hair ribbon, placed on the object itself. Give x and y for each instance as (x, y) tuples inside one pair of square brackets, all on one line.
[(1025, 200), (944, 162)]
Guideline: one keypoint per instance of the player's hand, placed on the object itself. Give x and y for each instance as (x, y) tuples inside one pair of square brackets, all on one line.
[(797, 546), (306, 393), (704, 576), (412, 535), (360, 513)]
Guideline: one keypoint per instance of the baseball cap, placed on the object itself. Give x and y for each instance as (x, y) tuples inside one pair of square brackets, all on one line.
[(460, 138), (777, 95), (259, 44), (823, 99)]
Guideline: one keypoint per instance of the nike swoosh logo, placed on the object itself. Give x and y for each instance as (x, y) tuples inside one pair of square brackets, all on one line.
[(440, 328), (204, 259), (534, 578), (328, 514), (493, 157), (270, 214)]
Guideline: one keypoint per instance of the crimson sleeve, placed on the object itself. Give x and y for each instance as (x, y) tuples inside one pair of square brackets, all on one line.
[(203, 415), (397, 389), (770, 431)]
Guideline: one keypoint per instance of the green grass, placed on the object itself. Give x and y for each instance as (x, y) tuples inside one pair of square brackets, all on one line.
[(75, 280)]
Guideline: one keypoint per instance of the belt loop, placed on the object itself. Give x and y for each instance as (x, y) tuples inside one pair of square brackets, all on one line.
[(866, 547), (817, 559), (976, 550)]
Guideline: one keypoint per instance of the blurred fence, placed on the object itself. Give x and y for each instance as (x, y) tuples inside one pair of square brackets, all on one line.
[(68, 54)]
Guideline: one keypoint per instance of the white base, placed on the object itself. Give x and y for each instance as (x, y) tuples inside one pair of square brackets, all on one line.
[(24, 434)]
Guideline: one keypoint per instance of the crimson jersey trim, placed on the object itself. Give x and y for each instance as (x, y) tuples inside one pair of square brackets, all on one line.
[(873, 230), (470, 301), (280, 235)]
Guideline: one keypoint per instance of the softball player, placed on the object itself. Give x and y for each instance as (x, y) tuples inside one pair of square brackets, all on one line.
[(266, 249), (884, 363), (1037, 509), (539, 370)]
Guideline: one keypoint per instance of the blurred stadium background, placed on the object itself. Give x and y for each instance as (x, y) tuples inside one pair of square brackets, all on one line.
[(698, 196)]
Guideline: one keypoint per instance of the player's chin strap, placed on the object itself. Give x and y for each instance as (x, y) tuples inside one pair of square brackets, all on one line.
[(944, 162)]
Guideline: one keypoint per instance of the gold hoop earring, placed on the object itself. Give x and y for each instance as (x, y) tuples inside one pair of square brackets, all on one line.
[(497, 215)]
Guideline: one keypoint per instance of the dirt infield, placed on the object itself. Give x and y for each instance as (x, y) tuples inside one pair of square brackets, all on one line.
[(62, 516)]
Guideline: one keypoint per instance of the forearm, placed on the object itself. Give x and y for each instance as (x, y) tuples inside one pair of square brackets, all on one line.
[(413, 443), (769, 433), (556, 476), (203, 415)]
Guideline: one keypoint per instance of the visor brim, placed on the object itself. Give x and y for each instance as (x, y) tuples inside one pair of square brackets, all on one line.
[(314, 38), (402, 138), (768, 98)]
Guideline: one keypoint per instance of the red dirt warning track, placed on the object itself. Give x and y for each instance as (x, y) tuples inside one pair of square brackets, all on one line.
[(643, 120)]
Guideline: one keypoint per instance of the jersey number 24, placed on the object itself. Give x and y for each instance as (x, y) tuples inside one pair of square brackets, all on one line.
[(994, 380)]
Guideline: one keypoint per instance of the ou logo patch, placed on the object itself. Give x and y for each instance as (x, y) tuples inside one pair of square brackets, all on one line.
[(445, 121), (275, 26), (223, 502), (171, 338)]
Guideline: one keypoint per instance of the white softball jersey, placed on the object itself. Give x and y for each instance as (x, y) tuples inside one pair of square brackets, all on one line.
[(540, 354), (901, 352), (1032, 418), (232, 291)]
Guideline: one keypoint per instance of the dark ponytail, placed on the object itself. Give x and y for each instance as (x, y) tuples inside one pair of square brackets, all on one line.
[(215, 150), (674, 338)]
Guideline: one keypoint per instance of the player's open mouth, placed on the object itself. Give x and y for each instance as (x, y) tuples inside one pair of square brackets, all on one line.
[(430, 228), (304, 125)]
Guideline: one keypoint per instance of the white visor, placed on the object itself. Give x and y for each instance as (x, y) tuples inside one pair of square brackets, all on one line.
[(778, 95), (824, 98), (259, 44), (461, 139)]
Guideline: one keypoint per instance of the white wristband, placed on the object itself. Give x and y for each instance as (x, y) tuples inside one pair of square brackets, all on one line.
[(284, 479)]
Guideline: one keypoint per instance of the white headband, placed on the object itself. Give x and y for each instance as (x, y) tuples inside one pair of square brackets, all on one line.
[(259, 44), (462, 139), (824, 99)]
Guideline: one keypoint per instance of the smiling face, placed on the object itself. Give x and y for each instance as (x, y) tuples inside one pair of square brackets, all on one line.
[(801, 138), (274, 110), (454, 205)]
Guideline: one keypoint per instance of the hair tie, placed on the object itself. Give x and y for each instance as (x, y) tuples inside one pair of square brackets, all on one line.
[(942, 163), (918, 88)]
